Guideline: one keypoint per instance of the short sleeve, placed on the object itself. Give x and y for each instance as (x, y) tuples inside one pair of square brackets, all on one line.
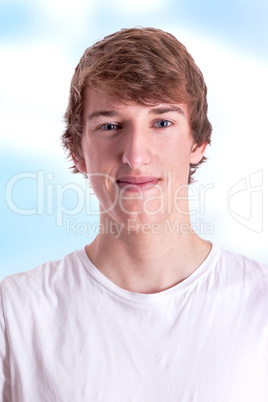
[(5, 381)]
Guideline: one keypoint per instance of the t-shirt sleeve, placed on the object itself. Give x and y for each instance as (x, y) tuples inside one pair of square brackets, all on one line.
[(5, 382)]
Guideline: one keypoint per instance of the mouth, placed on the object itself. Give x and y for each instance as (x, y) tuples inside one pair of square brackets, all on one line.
[(137, 183)]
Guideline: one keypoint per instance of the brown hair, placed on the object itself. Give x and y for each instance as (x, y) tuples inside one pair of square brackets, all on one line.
[(144, 65)]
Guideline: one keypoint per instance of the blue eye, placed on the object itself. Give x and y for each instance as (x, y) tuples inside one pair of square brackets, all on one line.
[(162, 123), (109, 127)]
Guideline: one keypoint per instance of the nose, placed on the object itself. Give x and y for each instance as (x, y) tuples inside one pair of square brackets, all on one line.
[(136, 151)]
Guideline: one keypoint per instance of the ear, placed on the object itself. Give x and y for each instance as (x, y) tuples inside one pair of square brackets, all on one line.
[(197, 153), (80, 163)]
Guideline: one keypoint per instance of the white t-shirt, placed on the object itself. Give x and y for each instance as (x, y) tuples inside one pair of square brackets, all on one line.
[(69, 334)]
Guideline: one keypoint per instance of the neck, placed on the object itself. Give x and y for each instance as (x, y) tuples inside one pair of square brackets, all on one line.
[(151, 258)]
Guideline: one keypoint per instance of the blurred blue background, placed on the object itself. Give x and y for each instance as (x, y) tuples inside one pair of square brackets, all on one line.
[(43, 206)]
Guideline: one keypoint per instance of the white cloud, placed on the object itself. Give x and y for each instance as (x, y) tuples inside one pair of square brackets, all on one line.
[(137, 6), (34, 92), (62, 10)]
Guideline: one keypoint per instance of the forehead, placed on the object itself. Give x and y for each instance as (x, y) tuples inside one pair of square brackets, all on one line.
[(96, 102), (94, 99)]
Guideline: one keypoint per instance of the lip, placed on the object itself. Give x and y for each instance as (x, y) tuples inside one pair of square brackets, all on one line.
[(137, 183)]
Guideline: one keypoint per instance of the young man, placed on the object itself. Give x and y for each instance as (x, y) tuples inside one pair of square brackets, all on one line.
[(145, 312)]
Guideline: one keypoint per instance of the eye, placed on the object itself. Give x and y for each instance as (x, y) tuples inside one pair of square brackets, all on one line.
[(109, 127), (162, 124)]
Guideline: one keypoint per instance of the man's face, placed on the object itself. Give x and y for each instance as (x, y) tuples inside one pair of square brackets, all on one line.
[(137, 157)]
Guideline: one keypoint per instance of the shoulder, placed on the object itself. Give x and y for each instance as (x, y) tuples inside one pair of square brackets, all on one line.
[(241, 264), (240, 273), (52, 275)]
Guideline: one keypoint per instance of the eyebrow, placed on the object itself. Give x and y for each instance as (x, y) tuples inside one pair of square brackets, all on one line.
[(166, 109), (105, 113), (156, 110)]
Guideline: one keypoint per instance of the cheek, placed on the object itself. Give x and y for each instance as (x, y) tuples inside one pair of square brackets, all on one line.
[(103, 185), (99, 155), (178, 154), (93, 159), (179, 163)]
